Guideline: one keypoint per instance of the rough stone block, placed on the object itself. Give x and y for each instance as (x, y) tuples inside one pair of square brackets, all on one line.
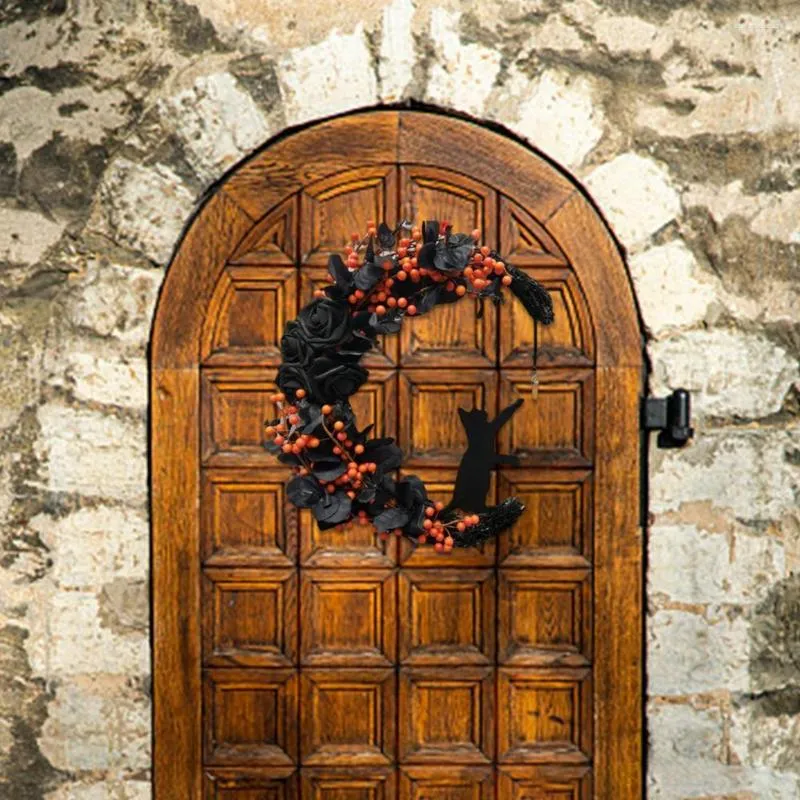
[(93, 454), (690, 653), (637, 196), (730, 373)]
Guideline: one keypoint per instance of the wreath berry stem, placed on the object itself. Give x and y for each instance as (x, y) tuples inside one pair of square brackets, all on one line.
[(340, 473)]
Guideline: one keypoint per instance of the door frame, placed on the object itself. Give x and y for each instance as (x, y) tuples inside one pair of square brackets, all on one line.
[(282, 166)]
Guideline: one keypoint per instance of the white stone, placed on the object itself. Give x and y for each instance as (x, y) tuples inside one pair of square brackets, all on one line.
[(26, 235), (764, 740), (688, 653), (730, 373), (636, 195), (93, 454), (120, 381), (463, 75), (744, 471), (561, 117), (109, 789), (780, 218), (68, 638), (626, 34), (669, 287), (95, 724), (143, 207), (93, 546), (218, 123), (687, 565), (333, 76), (679, 729), (397, 56), (116, 301)]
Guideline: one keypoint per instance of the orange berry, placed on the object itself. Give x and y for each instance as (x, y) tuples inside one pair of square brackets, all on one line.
[(438, 505), (391, 302), (402, 302), (476, 234), (411, 310), (506, 280), (427, 524), (270, 431), (461, 290), (330, 488), (341, 436), (438, 547), (337, 451), (338, 425), (485, 251), (279, 440), (402, 275), (313, 442), (468, 271), (287, 448), (422, 538), (319, 293), (359, 449), (380, 310), (460, 526), (355, 236), (429, 512), (326, 409)]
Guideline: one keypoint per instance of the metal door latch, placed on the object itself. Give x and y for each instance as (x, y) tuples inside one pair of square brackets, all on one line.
[(670, 416)]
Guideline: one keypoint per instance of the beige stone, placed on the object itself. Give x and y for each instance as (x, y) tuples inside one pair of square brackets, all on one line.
[(561, 117), (728, 372), (636, 195), (396, 64), (327, 78), (25, 235), (93, 454)]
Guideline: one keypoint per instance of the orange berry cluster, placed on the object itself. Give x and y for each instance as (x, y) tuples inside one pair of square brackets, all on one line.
[(291, 440), (403, 269), (441, 532)]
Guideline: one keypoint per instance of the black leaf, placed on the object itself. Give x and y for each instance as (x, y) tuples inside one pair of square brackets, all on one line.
[(390, 519), (388, 323), (329, 470), (370, 254), (455, 253), (426, 255), (333, 508), (428, 299), (366, 277), (304, 491), (340, 273), (430, 231), (385, 237)]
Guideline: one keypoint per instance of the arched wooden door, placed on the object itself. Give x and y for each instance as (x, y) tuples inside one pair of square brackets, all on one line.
[(328, 666)]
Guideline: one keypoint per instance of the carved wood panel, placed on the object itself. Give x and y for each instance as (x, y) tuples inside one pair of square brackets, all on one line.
[(340, 666)]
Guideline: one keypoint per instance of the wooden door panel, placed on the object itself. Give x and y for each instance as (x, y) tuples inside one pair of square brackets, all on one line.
[(545, 617), (446, 715), (348, 784), (249, 310), (349, 617), (555, 426), (524, 241), (335, 207), (237, 402), (544, 715), (446, 783), (447, 617), (251, 784), (544, 783), (252, 618), (348, 717), (566, 343), (430, 432), (556, 528), (351, 545), (246, 519), (251, 716)]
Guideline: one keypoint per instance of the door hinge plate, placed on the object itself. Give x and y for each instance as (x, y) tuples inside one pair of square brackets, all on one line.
[(670, 416)]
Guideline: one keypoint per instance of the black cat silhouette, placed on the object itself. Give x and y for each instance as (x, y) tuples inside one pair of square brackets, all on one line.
[(474, 471)]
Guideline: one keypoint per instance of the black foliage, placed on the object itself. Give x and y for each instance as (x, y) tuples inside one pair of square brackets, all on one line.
[(533, 296), (321, 351)]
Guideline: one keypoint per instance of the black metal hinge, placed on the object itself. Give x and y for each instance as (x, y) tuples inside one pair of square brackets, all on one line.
[(670, 416)]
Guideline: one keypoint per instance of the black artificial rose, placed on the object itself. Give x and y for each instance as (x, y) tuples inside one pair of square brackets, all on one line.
[(333, 380), (323, 323), (292, 377), (294, 348)]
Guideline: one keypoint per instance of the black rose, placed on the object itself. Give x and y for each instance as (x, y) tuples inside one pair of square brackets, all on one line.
[(324, 323), (294, 348), (333, 380), (292, 377)]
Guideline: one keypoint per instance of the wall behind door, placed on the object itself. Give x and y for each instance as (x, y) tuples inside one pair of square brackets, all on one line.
[(683, 124)]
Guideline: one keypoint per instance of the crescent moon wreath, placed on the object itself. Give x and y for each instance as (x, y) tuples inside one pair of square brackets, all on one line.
[(340, 473)]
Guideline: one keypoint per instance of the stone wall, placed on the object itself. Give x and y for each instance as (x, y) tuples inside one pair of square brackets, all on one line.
[(681, 117)]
